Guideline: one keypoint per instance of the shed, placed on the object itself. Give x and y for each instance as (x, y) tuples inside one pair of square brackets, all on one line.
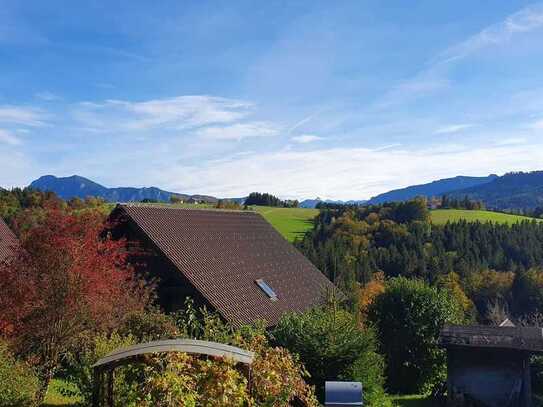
[(234, 262), (490, 365)]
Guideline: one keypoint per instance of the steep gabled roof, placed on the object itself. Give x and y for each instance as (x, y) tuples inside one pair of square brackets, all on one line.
[(227, 255), (8, 241)]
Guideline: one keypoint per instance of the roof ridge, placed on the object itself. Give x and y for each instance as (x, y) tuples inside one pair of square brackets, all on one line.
[(169, 207)]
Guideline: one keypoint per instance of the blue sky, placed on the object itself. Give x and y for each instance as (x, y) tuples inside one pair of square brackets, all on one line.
[(339, 100)]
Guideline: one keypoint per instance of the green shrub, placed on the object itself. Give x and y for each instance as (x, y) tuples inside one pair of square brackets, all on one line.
[(332, 346), (409, 316), (180, 379), (80, 371), (18, 383), (149, 325)]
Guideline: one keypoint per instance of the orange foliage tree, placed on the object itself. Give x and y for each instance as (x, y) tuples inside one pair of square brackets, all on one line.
[(369, 292)]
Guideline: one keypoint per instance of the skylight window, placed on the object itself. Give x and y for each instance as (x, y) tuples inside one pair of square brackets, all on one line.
[(267, 289)]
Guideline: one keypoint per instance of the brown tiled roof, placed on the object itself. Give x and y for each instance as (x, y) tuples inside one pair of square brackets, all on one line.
[(223, 253), (7, 241)]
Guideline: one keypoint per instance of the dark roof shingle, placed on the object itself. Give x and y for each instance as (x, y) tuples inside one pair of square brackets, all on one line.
[(8, 241), (223, 253)]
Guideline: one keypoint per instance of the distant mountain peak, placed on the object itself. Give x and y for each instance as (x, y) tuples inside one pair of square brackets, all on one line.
[(81, 187)]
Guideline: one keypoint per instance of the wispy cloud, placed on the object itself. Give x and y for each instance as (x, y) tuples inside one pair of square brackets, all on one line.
[(526, 20), (303, 121), (238, 131), (453, 128), (182, 112), (305, 138), (22, 116), (538, 125), (423, 84), (434, 76), (511, 141), (357, 172), (47, 96), (9, 138)]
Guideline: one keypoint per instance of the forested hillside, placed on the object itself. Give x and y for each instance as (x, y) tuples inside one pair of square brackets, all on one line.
[(435, 188), (519, 190), (489, 262)]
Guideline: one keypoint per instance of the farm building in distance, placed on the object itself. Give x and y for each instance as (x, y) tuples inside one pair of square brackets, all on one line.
[(490, 365), (234, 262), (8, 241)]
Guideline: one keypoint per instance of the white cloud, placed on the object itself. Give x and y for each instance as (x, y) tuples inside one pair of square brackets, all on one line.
[(9, 138), (22, 116), (511, 141), (238, 131), (343, 173), (47, 96), (423, 84), (526, 20), (176, 113), (434, 76), (453, 128), (305, 138), (538, 125)]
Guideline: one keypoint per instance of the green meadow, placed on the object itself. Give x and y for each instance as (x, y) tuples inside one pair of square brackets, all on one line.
[(442, 216), (290, 222)]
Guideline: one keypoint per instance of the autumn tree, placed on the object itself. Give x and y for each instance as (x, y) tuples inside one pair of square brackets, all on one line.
[(66, 279)]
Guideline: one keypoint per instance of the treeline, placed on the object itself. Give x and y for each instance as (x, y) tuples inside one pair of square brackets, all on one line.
[(16, 200), (464, 203), (265, 199), (489, 263)]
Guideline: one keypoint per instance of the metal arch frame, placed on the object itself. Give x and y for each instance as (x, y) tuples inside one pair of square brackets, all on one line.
[(126, 355)]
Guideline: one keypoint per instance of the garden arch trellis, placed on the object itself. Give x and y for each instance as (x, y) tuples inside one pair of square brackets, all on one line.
[(107, 365)]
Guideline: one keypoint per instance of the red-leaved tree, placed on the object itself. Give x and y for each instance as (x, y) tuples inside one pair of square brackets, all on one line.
[(66, 279)]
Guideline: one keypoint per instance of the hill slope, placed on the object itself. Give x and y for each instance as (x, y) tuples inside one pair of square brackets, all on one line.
[(518, 190), (290, 222), (435, 188), (76, 186), (442, 216)]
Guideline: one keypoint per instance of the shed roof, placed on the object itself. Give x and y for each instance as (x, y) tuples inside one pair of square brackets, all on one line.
[(8, 241), (224, 254), (501, 337)]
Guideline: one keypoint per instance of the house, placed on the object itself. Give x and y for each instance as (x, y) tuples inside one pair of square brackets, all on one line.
[(233, 262), (8, 241), (192, 200), (490, 365)]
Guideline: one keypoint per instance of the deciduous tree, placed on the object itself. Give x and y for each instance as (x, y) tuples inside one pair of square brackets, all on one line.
[(66, 279)]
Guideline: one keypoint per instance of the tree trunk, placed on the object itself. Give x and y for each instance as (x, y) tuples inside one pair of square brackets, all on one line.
[(45, 377)]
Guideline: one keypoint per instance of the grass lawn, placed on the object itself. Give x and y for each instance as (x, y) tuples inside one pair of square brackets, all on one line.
[(290, 222), (441, 216), (54, 395), (411, 401)]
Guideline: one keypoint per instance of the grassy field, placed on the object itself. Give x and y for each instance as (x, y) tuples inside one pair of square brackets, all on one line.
[(412, 401), (290, 222), (54, 395), (442, 216)]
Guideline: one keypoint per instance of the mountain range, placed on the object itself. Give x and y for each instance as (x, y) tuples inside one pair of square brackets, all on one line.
[(76, 186), (517, 190), (511, 191), (435, 188)]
